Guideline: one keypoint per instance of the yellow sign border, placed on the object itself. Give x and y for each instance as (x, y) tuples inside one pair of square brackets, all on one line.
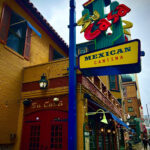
[(123, 54)]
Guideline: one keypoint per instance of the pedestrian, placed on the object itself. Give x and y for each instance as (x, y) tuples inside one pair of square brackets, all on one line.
[(145, 142), (129, 144)]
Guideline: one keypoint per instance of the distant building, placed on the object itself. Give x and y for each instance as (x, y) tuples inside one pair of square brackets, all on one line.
[(131, 98), (132, 102)]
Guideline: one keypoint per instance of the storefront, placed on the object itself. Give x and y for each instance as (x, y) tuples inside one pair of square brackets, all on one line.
[(45, 124), (45, 111), (100, 134)]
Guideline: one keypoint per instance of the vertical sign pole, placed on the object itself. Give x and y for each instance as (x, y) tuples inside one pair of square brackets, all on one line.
[(72, 119)]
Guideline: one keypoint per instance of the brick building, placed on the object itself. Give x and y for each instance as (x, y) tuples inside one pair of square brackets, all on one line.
[(132, 104), (131, 96)]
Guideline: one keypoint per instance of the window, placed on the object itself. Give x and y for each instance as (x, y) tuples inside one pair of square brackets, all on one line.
[(56, 137), (34, 137), (54, 55), (14, 32), (130, 109), (82, 50), (114, 83), (129, 100), (57, 55)]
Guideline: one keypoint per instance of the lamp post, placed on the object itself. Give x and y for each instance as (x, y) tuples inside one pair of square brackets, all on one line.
[(72, 115)]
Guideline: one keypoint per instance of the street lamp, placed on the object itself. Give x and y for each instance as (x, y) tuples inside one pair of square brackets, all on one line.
[(43, 83)]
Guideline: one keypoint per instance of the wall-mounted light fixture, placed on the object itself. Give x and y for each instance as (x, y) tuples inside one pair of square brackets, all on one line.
[(27, 102), (108, 131), (104, 120), (56, 99), (43, 83), (113, 132), (102, 129)]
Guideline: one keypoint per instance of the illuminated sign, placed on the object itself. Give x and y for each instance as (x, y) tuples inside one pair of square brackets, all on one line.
[(101, 24), (118, 59)]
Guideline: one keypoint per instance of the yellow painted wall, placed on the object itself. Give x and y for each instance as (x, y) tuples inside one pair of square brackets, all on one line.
[(116, 94), (80, 119), (11, 76), (131, 91), (105, 80)]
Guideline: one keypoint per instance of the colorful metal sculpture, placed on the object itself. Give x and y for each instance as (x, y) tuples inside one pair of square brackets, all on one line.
[(95, 22)]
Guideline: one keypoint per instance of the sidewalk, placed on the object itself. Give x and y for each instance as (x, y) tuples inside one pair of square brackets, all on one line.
[(138, 146)]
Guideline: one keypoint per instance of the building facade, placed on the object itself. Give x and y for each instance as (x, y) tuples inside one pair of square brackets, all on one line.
[(26, 39), (35, 118)]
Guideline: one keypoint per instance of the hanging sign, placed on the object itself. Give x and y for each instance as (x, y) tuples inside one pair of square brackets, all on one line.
[(119, 59)]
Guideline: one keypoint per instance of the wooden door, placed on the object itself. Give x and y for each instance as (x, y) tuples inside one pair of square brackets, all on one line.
[(45, 130)]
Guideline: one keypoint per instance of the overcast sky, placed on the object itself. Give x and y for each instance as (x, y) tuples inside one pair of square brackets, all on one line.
[(57, 14)]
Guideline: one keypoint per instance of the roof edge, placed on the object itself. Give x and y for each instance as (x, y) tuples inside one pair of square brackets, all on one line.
[(42, 22)]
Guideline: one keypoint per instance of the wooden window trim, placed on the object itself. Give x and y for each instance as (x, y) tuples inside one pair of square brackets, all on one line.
[(4, 24), (6, 13)]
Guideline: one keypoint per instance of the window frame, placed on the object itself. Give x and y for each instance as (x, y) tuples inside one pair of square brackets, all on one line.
[(130, 109), (6, 16), (129, 100), (17, 31), (116, 82), (52, 50)]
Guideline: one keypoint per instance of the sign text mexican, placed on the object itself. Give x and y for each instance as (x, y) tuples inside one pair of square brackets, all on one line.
[(117, 56)]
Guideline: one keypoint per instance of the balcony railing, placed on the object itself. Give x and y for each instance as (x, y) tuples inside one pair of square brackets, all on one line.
[(104, 90)]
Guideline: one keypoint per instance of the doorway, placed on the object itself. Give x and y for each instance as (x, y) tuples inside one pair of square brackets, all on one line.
[(45, 130)]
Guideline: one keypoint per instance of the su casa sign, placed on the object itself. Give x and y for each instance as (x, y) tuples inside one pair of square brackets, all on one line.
[(102, 24)]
